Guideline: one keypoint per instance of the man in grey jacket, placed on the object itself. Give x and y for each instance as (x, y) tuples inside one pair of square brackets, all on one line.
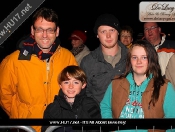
[(108, 60)]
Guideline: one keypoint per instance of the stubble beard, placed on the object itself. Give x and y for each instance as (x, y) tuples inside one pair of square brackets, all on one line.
[(108, 47)]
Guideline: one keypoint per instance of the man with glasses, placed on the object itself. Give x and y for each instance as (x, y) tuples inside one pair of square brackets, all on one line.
[(165, 48), (28, 76)]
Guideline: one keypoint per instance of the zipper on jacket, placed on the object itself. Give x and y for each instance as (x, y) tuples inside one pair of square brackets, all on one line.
[(47, 70), (47, 78), (76, 115)]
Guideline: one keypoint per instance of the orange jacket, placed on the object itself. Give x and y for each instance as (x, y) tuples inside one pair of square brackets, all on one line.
[(28, 86)]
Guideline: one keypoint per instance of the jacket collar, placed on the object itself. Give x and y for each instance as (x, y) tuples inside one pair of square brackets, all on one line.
[(78, 97), (25, 54), (131, 81), (97, 53)]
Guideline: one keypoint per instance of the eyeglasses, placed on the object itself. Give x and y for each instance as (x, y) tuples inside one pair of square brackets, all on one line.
[(48, 31), (151, 28)]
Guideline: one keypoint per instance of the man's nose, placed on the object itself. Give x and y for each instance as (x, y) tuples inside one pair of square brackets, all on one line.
[(44, 33)]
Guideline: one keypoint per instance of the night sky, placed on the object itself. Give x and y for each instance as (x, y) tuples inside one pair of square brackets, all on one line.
[(80, 15)]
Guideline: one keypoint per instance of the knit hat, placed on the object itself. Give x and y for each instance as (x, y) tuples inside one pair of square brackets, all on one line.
[(107, 19), (78, 35)]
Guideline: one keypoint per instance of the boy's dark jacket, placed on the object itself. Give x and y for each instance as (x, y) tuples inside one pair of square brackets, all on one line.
[(83, 108)]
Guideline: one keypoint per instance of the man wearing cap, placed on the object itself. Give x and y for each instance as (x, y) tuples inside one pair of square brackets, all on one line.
[(108, 60), (79, 49)]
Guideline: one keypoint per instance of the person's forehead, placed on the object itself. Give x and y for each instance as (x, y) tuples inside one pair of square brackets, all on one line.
[(105, 27), (41, 20), (125, 31), (150, 24), (138, 49)]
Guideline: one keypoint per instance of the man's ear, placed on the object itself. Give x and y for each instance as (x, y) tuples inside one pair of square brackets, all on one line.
[(160, 30), (83, 86), (60, 86), (32, 30), (57, 31)]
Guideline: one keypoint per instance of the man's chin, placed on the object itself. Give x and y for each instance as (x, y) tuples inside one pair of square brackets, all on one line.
[(45, 47), (71, 96)]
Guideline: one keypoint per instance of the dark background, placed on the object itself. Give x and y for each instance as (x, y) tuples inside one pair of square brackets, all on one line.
[(79, 15)]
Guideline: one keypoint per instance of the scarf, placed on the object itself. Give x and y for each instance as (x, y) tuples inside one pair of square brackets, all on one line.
[(30, 47), (75, 51)]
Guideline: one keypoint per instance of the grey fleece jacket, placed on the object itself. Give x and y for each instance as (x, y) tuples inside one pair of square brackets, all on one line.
[(100, 73)]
